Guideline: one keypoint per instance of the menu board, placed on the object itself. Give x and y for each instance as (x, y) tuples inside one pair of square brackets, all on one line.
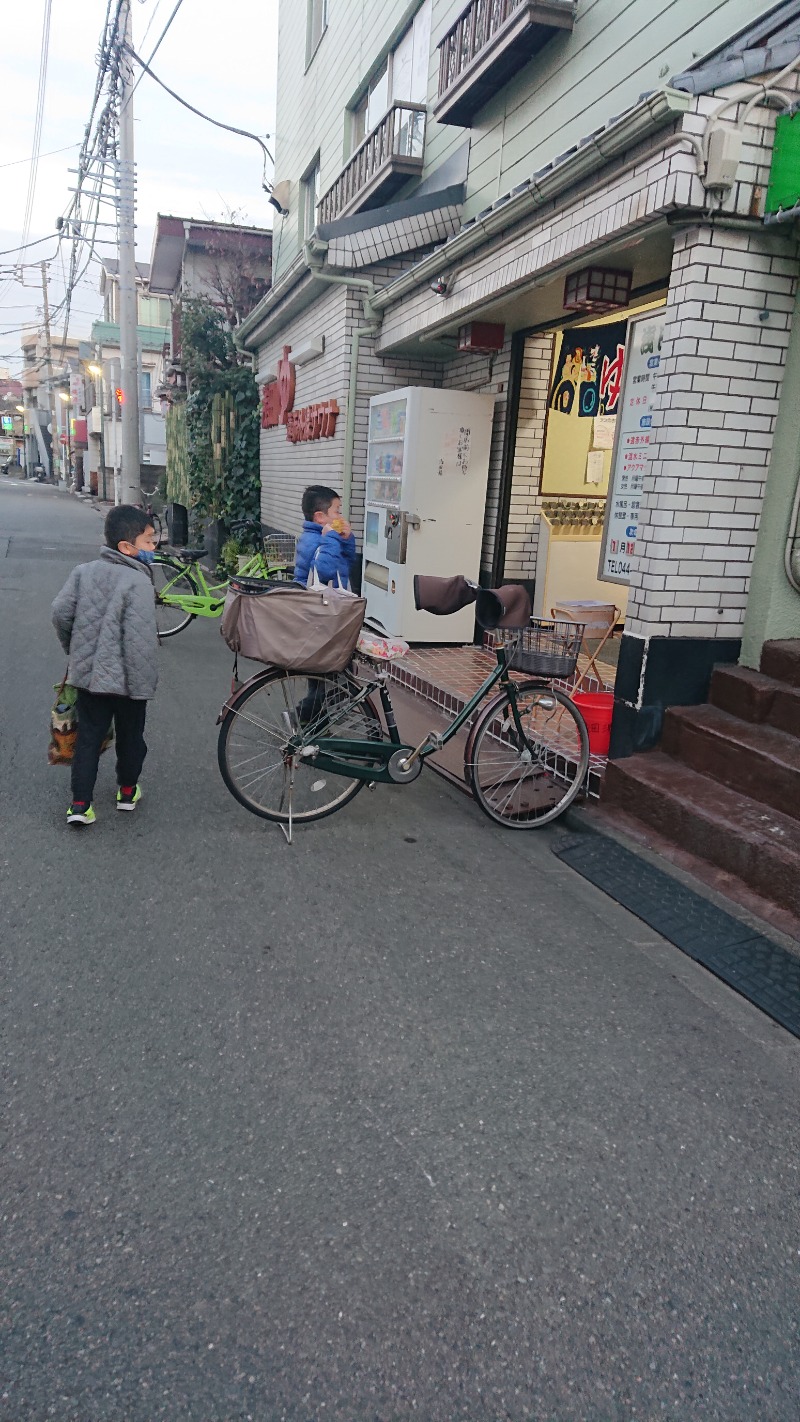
[(631, 458)]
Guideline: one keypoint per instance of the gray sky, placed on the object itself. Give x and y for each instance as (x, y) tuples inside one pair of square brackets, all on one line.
[(222, 58)]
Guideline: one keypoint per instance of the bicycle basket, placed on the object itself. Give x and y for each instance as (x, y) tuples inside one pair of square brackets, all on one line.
[(545, 648), (279, 550)]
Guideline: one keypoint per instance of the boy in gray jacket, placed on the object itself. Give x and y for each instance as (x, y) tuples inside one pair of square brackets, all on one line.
[(105, 618)]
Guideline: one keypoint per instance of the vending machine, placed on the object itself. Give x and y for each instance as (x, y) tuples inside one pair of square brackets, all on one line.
[(427, 471)]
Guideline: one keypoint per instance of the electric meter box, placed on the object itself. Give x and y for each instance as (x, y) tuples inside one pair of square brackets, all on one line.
[(784, 175)]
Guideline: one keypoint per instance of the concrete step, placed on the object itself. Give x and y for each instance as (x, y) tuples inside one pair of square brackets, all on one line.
[(758, 845), (781, 660), (760, 762), (756, 698)]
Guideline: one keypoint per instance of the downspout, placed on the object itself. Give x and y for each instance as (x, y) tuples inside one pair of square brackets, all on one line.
[(313, 255), (791, 557)]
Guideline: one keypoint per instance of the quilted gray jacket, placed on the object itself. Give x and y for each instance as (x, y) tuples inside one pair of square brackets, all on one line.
[(105, 617)]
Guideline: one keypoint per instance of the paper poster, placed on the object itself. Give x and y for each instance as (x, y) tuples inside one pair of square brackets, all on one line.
[(595, 466), (604, 427), (631, 452)]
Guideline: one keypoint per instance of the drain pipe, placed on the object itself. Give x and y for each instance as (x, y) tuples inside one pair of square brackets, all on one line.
[(791, 557), (313, 255)]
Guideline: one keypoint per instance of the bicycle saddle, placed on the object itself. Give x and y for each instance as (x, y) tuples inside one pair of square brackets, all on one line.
[(508, 606), (190, 555)]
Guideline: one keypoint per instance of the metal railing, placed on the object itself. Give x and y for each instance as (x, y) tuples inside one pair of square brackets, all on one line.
[(473, 29), (399, 135)]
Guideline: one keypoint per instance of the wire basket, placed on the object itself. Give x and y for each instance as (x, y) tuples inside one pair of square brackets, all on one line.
[(545, 648), (279, 550)]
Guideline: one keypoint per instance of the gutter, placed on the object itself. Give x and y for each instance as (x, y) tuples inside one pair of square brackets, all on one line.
[(749, 64), (653, 113), (314, 255), (274, 297)]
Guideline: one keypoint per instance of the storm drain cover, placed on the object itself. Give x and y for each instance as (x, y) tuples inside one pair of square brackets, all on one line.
[(761, 970)]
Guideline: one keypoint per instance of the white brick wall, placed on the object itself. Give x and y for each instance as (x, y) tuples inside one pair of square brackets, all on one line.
[(523, 524), (713, 422)]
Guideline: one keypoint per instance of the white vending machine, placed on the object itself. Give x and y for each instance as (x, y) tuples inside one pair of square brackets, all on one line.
[(427, 471)]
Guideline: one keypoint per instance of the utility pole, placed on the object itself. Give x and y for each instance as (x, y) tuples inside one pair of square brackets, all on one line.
[(51, 394), (130, 482)]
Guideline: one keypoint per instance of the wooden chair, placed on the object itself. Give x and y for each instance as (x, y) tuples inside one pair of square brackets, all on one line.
[(600, 619)]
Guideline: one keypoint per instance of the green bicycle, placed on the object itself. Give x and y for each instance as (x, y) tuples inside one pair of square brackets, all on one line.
[(183, 591), (294, 749)]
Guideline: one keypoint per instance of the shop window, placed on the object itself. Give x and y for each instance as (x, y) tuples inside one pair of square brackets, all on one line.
[(316, 25)]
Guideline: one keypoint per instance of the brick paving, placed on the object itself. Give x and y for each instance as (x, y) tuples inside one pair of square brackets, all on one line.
[(448, 676)]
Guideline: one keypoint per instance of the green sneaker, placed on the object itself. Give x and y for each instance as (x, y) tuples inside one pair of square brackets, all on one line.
[(79, 814), (129, 799)]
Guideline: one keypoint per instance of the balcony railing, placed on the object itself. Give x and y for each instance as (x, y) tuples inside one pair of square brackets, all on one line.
[(490, 41), (388, 156)]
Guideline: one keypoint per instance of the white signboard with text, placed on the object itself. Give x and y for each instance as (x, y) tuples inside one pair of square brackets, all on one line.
[(631, 457)]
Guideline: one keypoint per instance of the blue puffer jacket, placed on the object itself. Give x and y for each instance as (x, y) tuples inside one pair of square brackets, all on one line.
[(336, 554)]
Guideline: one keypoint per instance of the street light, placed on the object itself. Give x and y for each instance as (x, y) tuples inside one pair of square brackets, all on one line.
[(20, 409), (95, 369), (62, 395)]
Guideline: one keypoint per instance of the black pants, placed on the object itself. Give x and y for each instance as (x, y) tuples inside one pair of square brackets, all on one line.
[(95, 714)]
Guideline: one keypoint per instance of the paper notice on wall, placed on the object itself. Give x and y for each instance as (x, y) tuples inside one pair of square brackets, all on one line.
[(603, 435), (595, 466)]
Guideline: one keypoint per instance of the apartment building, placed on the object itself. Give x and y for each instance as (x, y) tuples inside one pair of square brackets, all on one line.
[(566, 204)]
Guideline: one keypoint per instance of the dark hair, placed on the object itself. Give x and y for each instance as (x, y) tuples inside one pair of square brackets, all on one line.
[(317, 498), (125, 523)]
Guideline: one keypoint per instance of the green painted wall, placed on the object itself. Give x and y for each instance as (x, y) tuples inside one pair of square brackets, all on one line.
[(617, 50), (773, 606)]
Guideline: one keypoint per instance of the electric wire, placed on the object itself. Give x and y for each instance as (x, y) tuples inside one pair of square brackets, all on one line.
[(157, 45), (242, 132)]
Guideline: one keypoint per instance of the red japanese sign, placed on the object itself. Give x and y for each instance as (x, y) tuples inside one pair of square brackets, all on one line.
[(278, 397), (313, 422)]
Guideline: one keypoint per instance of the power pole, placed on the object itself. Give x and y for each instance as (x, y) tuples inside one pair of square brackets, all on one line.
[(51, 395), (130, 482)]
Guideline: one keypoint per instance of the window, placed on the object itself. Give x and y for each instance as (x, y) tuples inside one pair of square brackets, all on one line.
[(154, 310), (309, 199), (145, 390), (316, 25), (403, 75)]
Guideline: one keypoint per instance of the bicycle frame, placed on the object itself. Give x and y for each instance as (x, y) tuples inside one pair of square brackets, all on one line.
[(390, 762), (210, 601)]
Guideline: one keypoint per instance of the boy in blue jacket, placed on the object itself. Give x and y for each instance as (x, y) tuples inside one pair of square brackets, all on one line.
[(327, 542)]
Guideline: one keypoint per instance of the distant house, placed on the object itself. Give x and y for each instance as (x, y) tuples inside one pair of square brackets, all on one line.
[(104, 415), (228, 263)]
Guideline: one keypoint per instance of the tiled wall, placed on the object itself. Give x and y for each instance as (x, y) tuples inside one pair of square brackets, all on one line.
[(728, 317), (523, 522)]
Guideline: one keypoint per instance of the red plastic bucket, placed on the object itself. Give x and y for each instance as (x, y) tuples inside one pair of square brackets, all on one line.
[(597, 708)]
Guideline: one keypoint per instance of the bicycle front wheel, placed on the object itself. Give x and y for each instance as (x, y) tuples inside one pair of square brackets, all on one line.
[(171, 580), (527, 756), (255, 753)]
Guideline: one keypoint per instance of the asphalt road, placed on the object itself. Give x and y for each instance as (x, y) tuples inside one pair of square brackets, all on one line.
[(404, 1121)]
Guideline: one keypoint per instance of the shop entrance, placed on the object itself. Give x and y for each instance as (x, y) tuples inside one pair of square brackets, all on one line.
[(579, 461)]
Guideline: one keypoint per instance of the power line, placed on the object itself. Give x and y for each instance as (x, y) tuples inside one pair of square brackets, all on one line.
[(38, 242), (157, 44), (37, 124), (17, 161), (243, 132)]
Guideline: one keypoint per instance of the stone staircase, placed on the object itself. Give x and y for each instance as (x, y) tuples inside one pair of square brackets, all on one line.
[(724, 783)]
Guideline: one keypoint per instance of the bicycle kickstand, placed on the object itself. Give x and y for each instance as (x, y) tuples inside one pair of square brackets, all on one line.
[(288, 832)]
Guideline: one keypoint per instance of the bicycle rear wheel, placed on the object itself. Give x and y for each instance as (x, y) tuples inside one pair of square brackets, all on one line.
[(254, 752), (173, 579), (524, 781)]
